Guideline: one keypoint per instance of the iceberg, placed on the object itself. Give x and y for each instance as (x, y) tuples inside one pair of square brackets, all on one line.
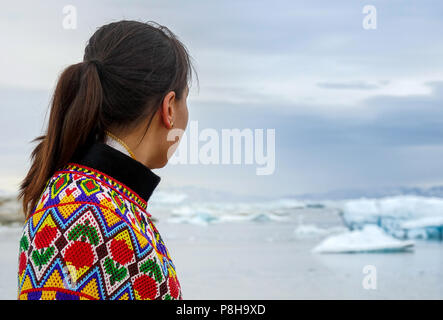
[(423, 223), (401, 216), (204, 213), (201, 219), (369, 239), (204, 218)]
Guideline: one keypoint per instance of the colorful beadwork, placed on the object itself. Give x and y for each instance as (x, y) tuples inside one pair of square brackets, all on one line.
[(90, 237)]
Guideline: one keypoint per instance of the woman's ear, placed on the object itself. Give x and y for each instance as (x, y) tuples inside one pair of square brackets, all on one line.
[(167, 109)]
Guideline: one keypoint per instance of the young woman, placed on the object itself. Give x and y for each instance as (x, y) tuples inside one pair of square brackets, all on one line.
[(88, 234)]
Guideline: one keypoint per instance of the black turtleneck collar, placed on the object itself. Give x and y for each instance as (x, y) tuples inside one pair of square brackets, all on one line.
[(121, 167)]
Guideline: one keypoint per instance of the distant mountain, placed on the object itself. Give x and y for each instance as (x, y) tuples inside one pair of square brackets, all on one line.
[(435, 191), (197, 193)]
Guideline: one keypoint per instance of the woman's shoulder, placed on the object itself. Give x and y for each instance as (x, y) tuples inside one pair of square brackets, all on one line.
[(75, 186), (71, 199), (83, 229)]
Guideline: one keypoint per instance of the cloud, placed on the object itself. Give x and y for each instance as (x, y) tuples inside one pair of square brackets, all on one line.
[(353, 85)]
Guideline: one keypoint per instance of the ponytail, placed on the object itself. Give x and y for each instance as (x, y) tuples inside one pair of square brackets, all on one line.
[(74, 123)]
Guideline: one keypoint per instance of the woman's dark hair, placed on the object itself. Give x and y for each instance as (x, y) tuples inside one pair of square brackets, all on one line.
[(128, 67)]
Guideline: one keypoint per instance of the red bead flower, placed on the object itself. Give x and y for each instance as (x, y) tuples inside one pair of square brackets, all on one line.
[(80, 255), (45, 236), (22, 263), (146, 287), (121, 252), (173, 287)]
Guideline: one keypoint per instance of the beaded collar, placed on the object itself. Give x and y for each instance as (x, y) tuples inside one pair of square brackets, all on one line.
[(121, 167)]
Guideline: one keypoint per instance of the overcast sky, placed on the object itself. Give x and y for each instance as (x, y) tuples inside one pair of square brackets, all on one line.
[(351, 108)]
